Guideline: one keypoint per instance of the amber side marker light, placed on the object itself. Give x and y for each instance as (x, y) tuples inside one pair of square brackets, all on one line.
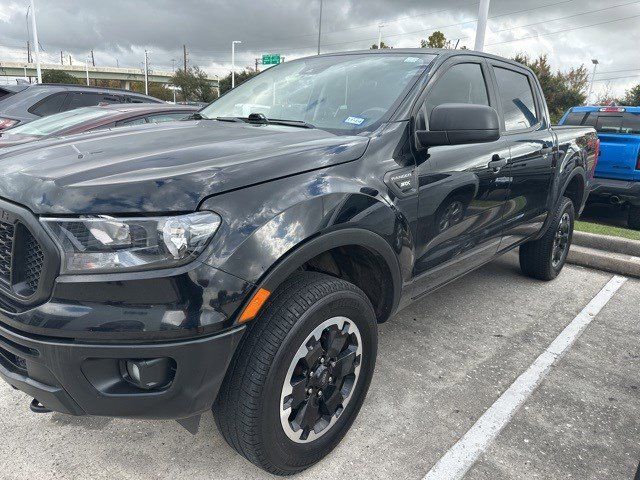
[(254, 306)]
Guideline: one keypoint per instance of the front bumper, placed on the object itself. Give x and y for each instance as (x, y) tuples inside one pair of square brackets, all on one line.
[(606, 188), (85, 379)]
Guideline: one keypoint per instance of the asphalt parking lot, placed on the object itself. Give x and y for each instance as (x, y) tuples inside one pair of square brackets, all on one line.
[(442, 363)]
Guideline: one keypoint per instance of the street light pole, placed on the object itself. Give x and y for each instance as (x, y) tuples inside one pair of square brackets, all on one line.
[(233, 62), (380, 35), (320, 27), (146, 73), (86, 68), (593, 78), (483, 14), (36, 45)]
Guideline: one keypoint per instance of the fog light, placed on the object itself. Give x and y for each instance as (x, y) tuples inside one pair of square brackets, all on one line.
[(150, 373)]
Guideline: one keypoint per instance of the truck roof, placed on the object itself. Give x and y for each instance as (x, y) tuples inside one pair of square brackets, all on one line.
[(441, 52), (606, 109)]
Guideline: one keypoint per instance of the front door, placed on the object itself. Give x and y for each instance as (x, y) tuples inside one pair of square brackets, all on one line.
[(462, 188)]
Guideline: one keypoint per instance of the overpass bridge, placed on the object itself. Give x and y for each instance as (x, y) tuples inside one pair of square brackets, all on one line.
[(124, 75)]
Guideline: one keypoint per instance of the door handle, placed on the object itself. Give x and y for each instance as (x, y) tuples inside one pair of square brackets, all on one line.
[(497, 163)]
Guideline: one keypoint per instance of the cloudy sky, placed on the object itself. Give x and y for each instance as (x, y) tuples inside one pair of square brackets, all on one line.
[(571, 32)]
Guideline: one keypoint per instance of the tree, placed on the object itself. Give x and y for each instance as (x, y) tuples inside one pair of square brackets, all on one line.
[(194, 84), (382, 45), (58, 76), (632, 97), (157, 90), (561, 90), (243, 76), (436, 40)]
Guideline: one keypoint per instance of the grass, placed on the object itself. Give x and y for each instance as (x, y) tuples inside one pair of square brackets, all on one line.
[(607, 230)]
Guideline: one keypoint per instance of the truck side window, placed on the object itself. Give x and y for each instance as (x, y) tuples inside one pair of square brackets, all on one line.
[(462, 83), (518, 102)]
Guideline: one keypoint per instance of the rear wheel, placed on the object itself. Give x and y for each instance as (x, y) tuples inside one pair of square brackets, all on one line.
[(544, 258), (634, 217), (300, 376)]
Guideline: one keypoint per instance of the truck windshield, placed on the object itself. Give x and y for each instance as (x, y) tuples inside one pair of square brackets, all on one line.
[(337, 93), (59, 122)]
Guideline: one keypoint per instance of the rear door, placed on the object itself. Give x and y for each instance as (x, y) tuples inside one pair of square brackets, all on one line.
[(532, 151)]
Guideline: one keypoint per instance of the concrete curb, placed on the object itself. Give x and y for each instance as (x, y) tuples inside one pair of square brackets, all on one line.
[(607, 243), (613, 262), (603, 252)]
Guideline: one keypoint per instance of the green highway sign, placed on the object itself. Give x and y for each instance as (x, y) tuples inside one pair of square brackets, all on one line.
[(271, 59)]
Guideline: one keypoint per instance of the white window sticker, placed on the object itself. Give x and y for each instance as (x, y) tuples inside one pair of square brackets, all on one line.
[(411, 60), (354, 120)]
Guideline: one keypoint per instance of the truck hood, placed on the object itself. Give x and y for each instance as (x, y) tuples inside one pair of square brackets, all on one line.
[(170, 167)]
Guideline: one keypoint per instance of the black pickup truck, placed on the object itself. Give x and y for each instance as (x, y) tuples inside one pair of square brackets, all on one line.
[(242, 259)]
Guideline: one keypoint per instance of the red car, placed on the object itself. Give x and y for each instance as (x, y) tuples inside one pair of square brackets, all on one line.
[(92, 118)]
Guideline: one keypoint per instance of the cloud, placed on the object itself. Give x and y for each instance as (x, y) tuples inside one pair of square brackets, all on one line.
[(118, 31)]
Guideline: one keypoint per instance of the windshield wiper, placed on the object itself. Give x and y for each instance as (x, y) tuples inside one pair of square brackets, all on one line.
[(230, 119), (261, 119), (292, 123)]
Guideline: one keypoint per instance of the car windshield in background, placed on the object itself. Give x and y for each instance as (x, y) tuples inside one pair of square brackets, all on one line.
[(340, 93), (59, 122)]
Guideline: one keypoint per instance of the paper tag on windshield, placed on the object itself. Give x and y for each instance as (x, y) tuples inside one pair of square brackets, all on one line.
[(411, 60), (354, 120)]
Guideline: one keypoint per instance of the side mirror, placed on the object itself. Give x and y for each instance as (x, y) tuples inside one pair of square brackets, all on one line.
[(460, 123)]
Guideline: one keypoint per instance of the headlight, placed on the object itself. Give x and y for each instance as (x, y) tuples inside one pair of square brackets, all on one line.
[(111, 244)]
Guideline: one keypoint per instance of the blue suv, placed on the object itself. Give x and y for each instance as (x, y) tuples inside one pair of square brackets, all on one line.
[(617, 175)]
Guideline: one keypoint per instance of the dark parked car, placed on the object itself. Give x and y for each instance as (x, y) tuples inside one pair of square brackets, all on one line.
[(24, 103), (243, 261), (92, 118)]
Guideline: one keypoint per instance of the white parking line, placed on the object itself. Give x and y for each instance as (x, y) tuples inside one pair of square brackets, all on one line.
[(460, 458)]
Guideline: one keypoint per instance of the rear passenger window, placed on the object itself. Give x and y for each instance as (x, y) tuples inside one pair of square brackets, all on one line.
[(49, 105), (83, 99), (134, 121), (462, 83), (518, 102), (106, 98), (167, 117)]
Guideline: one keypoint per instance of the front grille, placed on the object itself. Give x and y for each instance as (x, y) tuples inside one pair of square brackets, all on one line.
[(7, 231), (21, 259), (33, 264)]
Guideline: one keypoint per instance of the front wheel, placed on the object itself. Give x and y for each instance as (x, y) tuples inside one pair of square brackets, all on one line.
[(301, 374), (544, 258)]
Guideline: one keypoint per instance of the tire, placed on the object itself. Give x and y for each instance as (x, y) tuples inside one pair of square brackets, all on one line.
[(252, 397), (539, 258), (634, 217)]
